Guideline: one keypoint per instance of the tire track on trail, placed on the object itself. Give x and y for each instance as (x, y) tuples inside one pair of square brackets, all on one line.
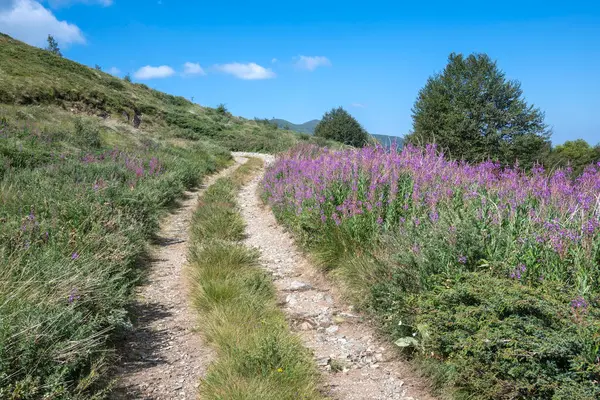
[(163, 357), (355, 363)]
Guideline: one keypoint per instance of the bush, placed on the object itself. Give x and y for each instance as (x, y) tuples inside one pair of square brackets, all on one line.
[(340, 126), (222, 109), (500, 339), (574, 154)]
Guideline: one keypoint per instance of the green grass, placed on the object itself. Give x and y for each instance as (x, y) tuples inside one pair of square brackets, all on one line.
[(257, 356), (76, 217)]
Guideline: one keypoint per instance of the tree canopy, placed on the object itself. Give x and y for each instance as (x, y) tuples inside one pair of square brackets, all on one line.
[(474, 113), (576, 154), (340, 126)]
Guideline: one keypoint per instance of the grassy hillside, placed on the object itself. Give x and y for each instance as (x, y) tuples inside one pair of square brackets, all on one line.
[(81, 193), (31, 77)]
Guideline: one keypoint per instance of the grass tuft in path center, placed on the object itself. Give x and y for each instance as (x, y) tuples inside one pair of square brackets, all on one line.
[(257, 356)]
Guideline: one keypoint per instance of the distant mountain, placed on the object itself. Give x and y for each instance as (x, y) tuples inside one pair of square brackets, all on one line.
[(388, 141), (309, 128)]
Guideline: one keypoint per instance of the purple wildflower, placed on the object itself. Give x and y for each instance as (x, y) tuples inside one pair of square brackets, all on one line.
[(73, 296), (579, 303)]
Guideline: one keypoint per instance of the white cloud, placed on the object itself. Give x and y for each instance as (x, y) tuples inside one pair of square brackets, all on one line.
[(358, 105), (311, 63), (274, 60), (190, 68), (114, 71), (248, 71), (150, 72), (29, 21), (65, 3)]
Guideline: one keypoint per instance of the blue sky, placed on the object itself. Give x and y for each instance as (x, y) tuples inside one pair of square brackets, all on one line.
[(296, 60)]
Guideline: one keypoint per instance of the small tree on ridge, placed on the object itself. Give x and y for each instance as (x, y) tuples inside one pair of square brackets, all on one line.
[(53, 46), (339, 125)]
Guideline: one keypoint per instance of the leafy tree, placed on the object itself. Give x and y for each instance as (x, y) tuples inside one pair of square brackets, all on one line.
[(127, 78), (473, 112), (339, 125), (53, 46), (577, 154)]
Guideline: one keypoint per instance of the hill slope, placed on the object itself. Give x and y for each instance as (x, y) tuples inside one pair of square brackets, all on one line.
[(32, 76)]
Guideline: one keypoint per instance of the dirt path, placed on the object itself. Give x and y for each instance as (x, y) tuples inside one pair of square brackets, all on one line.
[(339, 338), (163, 358)]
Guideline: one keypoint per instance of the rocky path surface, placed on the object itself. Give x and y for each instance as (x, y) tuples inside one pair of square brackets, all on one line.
[(355, 363), (163, 357)]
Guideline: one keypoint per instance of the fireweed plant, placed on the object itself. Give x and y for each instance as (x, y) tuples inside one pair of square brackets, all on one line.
[(481, 265), (75, 218)]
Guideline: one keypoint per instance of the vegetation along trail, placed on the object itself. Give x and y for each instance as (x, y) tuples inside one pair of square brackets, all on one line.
[(355, 363), (163, 357)]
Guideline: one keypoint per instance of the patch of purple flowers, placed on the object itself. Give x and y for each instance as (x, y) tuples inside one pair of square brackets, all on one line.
[(579, 303), (518, 271), (553, 214), (73, 295)]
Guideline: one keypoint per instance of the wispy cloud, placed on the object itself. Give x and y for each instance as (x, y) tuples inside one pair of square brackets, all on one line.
[(66, 3), (114, 71), (274, 60), (250, 71), (150, 72), (358, 105), (190, 68), (310, 63), (31, 22)]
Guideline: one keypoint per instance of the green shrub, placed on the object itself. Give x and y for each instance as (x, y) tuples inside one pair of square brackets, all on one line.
[(503, 340), (222, 109)]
